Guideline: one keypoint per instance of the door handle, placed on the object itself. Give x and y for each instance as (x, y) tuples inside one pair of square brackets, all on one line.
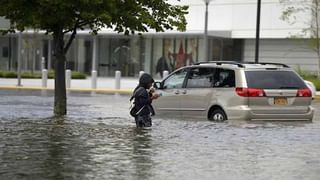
[(177, 92), (184, 92)]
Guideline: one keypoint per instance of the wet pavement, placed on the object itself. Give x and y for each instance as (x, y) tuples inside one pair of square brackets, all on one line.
[(98, 140)]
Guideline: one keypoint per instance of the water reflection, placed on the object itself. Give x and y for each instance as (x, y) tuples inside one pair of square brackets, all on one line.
[(42, 148), (142, 153), (65, 152), (98, 140)]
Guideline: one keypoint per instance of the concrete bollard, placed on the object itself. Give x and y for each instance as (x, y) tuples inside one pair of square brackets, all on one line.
[(140, 73), (44, 78), (165, 74), (94, 79), (118, 79), (68, 78)]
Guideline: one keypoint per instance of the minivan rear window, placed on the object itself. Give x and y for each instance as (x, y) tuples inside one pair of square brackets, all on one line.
[(274, 80)]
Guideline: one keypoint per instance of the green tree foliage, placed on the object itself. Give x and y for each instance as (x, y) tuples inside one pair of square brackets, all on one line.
[(65, 17), (307, 13)]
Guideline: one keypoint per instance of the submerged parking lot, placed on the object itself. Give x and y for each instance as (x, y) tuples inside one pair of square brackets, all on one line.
[(98, 140)]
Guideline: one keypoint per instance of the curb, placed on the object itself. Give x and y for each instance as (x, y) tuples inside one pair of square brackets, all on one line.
[(36, 88)]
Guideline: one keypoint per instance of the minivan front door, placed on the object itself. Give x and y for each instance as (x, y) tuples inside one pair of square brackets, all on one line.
[(169, 102)]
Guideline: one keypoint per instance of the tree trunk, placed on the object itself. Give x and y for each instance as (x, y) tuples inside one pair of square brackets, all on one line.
[(60, 98)]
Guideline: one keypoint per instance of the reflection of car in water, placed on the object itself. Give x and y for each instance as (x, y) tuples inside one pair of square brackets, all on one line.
[(230, 90)]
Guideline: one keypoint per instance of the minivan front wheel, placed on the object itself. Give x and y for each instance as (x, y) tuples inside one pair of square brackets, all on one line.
[(218, 115)]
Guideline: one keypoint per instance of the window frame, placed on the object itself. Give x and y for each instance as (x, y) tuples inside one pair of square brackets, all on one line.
[(189, 73), (187, 69), (217, 73)]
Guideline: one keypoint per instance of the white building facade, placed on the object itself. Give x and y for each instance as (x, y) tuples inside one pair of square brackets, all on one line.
[(239, 18), (231, 30)]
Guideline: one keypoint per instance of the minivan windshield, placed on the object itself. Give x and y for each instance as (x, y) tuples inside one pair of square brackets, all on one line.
[(274, 80)]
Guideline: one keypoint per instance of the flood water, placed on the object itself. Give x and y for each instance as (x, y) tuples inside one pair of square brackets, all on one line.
[(98, 140)]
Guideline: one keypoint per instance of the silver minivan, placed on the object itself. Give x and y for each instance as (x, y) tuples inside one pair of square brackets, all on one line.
[(224, 90)]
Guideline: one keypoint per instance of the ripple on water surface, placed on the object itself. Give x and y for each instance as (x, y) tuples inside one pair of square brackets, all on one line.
[(98, 140)]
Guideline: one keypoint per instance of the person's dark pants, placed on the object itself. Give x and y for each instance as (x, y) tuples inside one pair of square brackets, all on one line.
[(143, 121)]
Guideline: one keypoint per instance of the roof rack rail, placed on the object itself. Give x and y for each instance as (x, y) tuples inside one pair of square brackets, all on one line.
[(268, 63), (221, 62), (241, 64)]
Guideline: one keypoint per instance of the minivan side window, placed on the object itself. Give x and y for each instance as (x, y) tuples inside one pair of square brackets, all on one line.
[(176, 80), (224, 78), (200, 78)]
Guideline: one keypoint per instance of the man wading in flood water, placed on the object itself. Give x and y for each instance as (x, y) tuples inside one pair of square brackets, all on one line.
[(143, 96)]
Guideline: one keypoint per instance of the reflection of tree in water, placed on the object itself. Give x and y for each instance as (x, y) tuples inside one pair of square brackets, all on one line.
[(42, 149), (66, 153), (54, 149), (142, 153)]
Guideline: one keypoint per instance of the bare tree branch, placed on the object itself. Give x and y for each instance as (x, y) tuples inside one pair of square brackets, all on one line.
[(73, 35), (79, 25)]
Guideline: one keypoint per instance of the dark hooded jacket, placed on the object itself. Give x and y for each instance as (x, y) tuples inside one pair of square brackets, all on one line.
[(142, 97)]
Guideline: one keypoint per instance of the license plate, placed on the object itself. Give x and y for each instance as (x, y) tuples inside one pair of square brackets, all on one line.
[(280, 101)]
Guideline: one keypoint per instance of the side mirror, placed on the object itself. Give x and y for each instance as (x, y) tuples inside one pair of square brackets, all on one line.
[(157, 85)]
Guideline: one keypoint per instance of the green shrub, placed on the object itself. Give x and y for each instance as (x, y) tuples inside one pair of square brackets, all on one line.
[(9, 74), (305, 74), (310, 77), (38, 75), (30, 75), (51, 74), (315, 81), (77, 75), (74, 75)]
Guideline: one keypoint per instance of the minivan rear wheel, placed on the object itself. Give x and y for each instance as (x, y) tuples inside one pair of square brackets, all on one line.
[(218, 115)]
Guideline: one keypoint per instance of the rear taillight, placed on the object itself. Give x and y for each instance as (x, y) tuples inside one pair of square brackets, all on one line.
[(250, 92), (242, 92), (304, 92)]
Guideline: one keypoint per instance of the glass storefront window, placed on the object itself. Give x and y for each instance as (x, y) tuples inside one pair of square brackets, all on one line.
[(227, 52), (4, 53), (129, 54), (216, 46), (120, 54), (173, 53)]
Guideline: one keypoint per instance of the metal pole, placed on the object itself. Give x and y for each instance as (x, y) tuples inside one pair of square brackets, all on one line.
[(258, 31), (206, 33), (94, 53), (221, 50), (49, 55), (19, 58), (94, 62)]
